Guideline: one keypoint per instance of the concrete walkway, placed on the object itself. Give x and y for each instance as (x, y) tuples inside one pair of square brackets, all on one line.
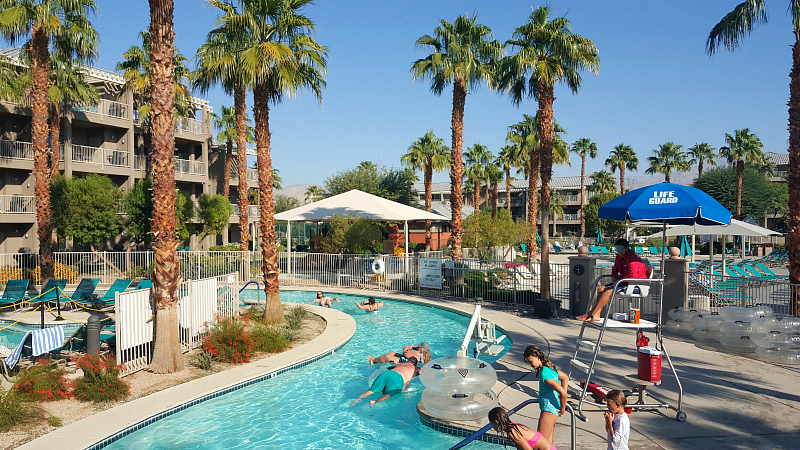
[(732, 401)]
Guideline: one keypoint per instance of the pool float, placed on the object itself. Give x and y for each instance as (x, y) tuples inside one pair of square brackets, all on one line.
[(458, 375), (378, 266), (738, 343), (679, 327), (459, 406), (777, 339), (685, 314), (765, 323), (786, 325), (780, 355), (706, 334), (707, 321), (737, 328), (745, 313)]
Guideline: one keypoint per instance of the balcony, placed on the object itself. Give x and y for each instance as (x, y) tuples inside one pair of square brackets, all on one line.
[(571, 217), (570, 198), (188, 125), (20, 150), (104, 108), (189, 167), (100, 156), (17, 204), (140, 162), (252, 210), (252, 175)]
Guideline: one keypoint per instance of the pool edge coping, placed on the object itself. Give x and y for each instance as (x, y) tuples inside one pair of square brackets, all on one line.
[(141, 412)]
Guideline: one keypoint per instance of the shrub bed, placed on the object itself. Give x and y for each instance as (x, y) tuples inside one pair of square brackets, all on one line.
[(100, 381), (227, 341), (43, 382)]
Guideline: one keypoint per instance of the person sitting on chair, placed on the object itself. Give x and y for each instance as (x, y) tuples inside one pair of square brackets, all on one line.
[(626, 265)]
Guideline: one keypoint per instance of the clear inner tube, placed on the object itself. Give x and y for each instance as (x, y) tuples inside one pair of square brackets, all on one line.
[(779, 355), (685, 314), (458, 375), (707, 321), (706, 335), (738, 343), (745, 313), (459, 406), (777, 339), (679, 327), (738, 328)]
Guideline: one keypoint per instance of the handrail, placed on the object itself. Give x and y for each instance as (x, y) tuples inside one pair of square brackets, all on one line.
[(511, 411), (248, 284)]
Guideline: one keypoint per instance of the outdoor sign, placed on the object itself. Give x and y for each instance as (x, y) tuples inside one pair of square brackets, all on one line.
[(430, 273)]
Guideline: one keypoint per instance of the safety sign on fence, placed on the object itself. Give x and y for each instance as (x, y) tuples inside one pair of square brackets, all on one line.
[(430, 273)]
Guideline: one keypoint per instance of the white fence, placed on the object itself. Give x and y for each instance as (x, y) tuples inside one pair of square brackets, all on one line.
[(200, 303)]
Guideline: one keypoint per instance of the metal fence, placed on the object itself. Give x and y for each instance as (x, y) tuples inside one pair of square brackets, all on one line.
[(200, 303), (712, 292)]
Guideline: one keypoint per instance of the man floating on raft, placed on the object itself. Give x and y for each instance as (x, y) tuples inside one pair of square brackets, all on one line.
[(391, 381)]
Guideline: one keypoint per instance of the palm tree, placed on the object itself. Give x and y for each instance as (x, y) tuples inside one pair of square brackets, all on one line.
[(462, 53), (313, 193), (42, 24), (477, 158), (494, 175), (9, 83), (510, 157), (556, 209), (427, 154), (280, 58), (702, 153), (742, 146), (226, 125), (276, 179), (549, 53), (669, 156), (602, 181), (584, 147), (622, 157), (219, 60), (167, 353), (733, 27)]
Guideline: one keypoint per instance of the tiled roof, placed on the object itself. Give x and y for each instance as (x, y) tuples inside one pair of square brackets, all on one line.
[(778, 158), (443, 209), (555, 183)]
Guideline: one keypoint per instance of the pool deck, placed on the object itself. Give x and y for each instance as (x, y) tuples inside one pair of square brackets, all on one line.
[(731, 401)]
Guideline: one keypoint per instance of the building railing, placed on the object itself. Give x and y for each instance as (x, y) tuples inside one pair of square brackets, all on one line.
[(104, 108), (570, 198), (781, 173), (252, 210), (17, 204), (252, 174), (188, 166), (571, 217), (20, 150), (102, 156), (189, 125), (140, 162)]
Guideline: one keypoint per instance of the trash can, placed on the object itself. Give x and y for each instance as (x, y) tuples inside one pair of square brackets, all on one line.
[(649, 364), (546, 308)]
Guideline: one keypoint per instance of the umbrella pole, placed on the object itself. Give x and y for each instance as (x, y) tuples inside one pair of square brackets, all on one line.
[(693, 250)]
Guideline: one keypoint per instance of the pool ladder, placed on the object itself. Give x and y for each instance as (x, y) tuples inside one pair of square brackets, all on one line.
[(488, 427)]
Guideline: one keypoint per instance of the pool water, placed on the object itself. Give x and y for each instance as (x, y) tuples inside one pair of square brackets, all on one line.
[(308, 408), (11, 336)]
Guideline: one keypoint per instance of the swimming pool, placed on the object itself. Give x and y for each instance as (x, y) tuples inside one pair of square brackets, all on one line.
[(309, 407), (11, 336)]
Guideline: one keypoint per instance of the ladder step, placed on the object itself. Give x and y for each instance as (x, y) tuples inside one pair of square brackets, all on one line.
[(587, 344), (580, 366), (574, 387)]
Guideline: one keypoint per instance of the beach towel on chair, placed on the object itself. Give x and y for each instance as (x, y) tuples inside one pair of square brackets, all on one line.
[(47, 339)]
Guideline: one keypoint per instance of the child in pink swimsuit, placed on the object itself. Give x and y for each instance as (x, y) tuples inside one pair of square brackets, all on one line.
[(518, 433)]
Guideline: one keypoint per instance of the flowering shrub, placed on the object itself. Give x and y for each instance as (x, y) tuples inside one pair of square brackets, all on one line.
[(43, 382), (60, 272), (7, 273), (100, 381), (229, 342), (13, 409), (268, 339)]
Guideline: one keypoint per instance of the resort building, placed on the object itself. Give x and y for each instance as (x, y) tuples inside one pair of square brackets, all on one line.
[(107, 138), (568, 189)]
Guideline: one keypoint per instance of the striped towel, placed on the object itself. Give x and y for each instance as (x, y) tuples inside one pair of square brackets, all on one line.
[(47, 339), (12, 359)]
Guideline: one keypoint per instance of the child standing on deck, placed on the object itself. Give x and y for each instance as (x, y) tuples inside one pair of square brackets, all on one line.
[(618, 427), (552, 390)]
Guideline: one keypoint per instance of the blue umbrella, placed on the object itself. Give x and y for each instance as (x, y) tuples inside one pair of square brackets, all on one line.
[(668, 203), (599, 235), (685, 246)]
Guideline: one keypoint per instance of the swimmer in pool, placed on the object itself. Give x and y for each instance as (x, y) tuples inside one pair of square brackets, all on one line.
[(391, 382), (369, 305), (421, 351), (324, 301)]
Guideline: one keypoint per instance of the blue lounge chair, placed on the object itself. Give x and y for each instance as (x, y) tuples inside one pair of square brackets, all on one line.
[(119, 285), (144, 284), (524, 248), (734, 272), (639, 251), (14, 294), (603, 250), (655, 251), (52, 291), (85, 289)]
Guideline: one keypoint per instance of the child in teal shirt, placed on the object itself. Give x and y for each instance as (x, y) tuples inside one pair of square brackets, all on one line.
[(552, 390)]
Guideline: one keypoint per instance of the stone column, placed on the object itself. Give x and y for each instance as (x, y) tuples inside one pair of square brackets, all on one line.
[(581, 281), (676, 283)]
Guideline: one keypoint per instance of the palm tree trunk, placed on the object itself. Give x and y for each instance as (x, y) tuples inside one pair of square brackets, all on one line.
[(55, 137), (508, 189), (583, 196), (494, 201), (699, 167), (794, 182), (621, 179), (226, 187), (487, 195), (666, 176), (457, 164), (40, 61), (739, 174), (240, 110), (428, 200), (167, 352), (533, 200), (269, 239), (545, 112)]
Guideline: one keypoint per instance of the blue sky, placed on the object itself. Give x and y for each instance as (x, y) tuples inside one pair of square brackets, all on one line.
[(656, 84)]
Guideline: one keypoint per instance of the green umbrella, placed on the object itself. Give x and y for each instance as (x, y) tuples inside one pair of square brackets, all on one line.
[(599, 235)]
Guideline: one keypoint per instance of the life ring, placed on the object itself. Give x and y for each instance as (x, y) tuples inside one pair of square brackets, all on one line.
[(378, 266)]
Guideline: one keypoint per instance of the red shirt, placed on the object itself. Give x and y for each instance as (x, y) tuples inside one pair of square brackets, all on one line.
[(629, 265)]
